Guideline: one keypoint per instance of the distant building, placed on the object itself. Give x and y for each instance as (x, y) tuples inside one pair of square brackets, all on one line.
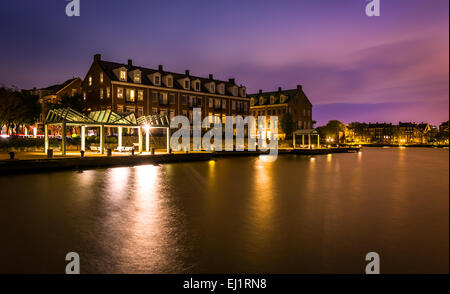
[(277, 103), (443, 127)]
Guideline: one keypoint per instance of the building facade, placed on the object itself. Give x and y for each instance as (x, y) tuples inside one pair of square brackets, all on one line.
[(129, 88), (277, 103)]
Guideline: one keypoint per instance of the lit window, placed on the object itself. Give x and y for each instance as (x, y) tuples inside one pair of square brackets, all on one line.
[(120, 93), (101, 93), (123, 75), (137, 77), (140, 95), (101, 77), (90, 81), (132, 95), (84, 96), (119, 108), (108, 92)]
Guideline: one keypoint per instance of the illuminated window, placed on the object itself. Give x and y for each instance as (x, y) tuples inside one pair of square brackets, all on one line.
[(101, 93), (123, 75), (119, 108), (120, 93), (132, 92), (137, 77), (108, 92), (84, 96), (140, 95), (101, 77), (90, 80), (252, 101)]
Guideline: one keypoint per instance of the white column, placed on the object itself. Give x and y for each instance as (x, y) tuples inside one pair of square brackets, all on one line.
[(168, 139), (147, 139), (102, 139), (46, 138), (63, 139), (140, 139), (83, 138), (119, 138)]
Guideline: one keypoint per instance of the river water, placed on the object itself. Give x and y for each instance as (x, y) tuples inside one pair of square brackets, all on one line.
[(299, 214)]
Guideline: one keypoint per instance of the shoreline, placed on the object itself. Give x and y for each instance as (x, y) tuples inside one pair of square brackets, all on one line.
[(18, 166)]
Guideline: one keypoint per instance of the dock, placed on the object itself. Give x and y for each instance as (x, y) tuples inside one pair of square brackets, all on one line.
[(43, 164)]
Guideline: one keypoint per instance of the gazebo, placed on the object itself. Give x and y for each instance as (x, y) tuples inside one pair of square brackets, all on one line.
[(104, 118), (309, 133)]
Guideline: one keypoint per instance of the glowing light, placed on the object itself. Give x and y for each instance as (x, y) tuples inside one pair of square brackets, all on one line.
[(146, 128)]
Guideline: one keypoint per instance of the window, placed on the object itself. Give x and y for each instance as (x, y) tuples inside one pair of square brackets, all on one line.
[(261, 101), (101, 78), (123, 75), (90, 81), (120, 93), (233, 105), (172, 98), (137, 77), (84, 96), (213, 88), (101, 93), (197, 86), (163, 98), (130, 95), (191, 101), (140, 111), (235, 91), (156, 80), (221, 88), (272, 99), (169, 82), (155, 97), (186, 84), (245, 106), (199, 101), (184, 99), (119, 108), (252, 101), (224, 104), (130, 109), (217, 103), (210, 103), (140, 95), (108, 92)]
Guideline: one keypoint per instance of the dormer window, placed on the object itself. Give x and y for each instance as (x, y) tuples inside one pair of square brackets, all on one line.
[(212, 88), (186, 84), (137, 77), (235, 91), (123, 75), (242, 91), (252, 101), (197, 86), (169, 82), (272, 99), (221, 89), (261, 100), (157, 81)]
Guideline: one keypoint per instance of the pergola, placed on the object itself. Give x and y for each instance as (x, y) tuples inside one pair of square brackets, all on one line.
[(104, 118), (309, 133)]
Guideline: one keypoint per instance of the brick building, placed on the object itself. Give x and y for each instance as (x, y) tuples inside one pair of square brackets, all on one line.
[(130, 88), (277, 103)]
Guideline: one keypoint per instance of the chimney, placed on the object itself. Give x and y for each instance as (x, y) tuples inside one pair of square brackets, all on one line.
[(279, 89), (260, 91), (160, 67), (187, 72), (130, 62), (299, 87), (231, 81), (211, 77), (97, 57)]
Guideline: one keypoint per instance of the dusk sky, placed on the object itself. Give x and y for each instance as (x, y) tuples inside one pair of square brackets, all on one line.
[(352, 67)]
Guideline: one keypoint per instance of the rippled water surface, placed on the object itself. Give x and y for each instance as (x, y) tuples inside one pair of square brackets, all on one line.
[(298, 214)]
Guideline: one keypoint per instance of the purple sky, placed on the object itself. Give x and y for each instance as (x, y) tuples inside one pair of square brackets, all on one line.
[(352, 67)]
